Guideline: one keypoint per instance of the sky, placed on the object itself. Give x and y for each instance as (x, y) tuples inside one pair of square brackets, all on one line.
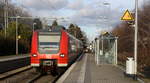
[(92, 16)]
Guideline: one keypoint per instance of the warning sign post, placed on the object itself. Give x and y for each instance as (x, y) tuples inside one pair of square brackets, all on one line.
[(127, 16)]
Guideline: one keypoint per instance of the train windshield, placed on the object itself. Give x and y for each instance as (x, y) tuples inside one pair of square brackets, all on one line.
[(49, 43)]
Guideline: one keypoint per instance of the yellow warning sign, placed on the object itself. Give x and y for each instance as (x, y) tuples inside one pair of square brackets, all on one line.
[(127, 16)]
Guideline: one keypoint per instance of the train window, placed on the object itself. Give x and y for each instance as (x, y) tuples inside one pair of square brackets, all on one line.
[(72, 45), (73, 48), (49, 44)]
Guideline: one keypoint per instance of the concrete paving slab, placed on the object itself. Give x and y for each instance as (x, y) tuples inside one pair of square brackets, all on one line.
[(86, 71)]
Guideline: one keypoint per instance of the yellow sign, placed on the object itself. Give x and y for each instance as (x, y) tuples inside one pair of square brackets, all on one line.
[(127, 16)]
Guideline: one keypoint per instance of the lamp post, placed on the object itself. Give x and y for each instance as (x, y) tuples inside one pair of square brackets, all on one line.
[(17, 35), (75, 32), (6, 16), (33, 27)]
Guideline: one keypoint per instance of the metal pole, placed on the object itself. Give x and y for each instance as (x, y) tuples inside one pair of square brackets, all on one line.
[(16, 35), (116, 50), (33, 27), (102, 45), (7, 13), (97, 51), (136, 35), (75, 31), (5, 16)]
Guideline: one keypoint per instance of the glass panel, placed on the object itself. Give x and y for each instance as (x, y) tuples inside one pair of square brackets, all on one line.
[(49, 44)]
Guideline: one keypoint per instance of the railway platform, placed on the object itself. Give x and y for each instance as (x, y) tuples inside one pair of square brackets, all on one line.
[(85, 70), (12, 62), (11, 57)]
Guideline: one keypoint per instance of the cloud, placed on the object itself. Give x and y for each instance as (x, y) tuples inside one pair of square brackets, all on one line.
[(76, 5), (44, 4), (94, 15), (85, 13), (89, 15)]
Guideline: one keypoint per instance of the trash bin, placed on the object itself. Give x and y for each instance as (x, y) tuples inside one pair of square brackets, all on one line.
[(130, 66)]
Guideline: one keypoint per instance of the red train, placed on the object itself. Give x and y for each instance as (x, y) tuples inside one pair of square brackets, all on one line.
[(52, 49)]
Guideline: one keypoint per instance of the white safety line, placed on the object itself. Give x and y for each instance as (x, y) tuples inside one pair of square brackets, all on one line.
[(82, 72), (65, 75)]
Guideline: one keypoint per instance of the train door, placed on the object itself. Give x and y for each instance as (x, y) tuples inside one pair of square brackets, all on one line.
[(72, 48)]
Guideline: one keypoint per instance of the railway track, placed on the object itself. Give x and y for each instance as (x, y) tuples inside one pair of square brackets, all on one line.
[(14, 72), (35, 78), (28, 75), (48, 78), (43, 79), (16, 76)]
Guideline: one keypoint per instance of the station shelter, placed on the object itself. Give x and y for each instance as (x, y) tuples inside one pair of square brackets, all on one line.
[(105, 49)]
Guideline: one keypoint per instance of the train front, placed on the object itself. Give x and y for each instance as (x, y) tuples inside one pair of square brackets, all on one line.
[(49, 50)]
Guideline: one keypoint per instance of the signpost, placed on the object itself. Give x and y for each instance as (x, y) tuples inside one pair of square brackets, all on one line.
[(128, 17), (136, 36)]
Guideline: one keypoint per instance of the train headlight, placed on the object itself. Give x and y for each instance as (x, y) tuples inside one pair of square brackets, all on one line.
[(62, 55), (34, 55)]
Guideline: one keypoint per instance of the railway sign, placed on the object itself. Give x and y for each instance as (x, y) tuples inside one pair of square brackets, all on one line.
[(127, 16)]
